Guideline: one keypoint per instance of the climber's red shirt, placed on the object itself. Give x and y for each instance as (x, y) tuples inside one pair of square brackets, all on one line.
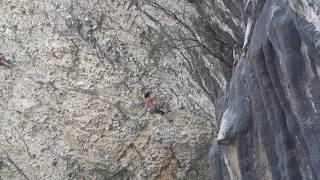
[(148, 102)]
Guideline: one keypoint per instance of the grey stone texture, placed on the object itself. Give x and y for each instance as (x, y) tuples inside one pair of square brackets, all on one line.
[(71, 106), (270, 125), (242, 77)]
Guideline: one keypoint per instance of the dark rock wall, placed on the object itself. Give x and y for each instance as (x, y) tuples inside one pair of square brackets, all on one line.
[(270, 127)]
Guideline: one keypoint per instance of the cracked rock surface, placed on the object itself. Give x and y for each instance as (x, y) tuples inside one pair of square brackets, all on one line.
[(242, 77), (71, 105)]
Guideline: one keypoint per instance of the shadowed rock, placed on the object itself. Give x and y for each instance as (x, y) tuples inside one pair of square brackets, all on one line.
[(279, 76)]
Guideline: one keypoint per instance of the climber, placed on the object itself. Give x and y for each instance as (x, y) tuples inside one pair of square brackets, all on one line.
[(152, 106)]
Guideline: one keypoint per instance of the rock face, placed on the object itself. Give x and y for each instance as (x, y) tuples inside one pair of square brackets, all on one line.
[(71, 103), (242, 75), (270, 123)]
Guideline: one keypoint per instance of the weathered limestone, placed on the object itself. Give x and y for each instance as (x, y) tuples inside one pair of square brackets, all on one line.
[(243, 77), (280, 79)]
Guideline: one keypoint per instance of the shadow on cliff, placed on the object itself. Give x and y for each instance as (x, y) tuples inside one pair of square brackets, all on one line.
[(270, 122)]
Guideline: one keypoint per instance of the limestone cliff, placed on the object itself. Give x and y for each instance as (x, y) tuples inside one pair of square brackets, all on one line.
[(242, 77), (270, 117), (71, 101)]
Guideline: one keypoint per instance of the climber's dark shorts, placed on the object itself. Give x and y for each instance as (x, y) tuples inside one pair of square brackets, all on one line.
[(157, 109)]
